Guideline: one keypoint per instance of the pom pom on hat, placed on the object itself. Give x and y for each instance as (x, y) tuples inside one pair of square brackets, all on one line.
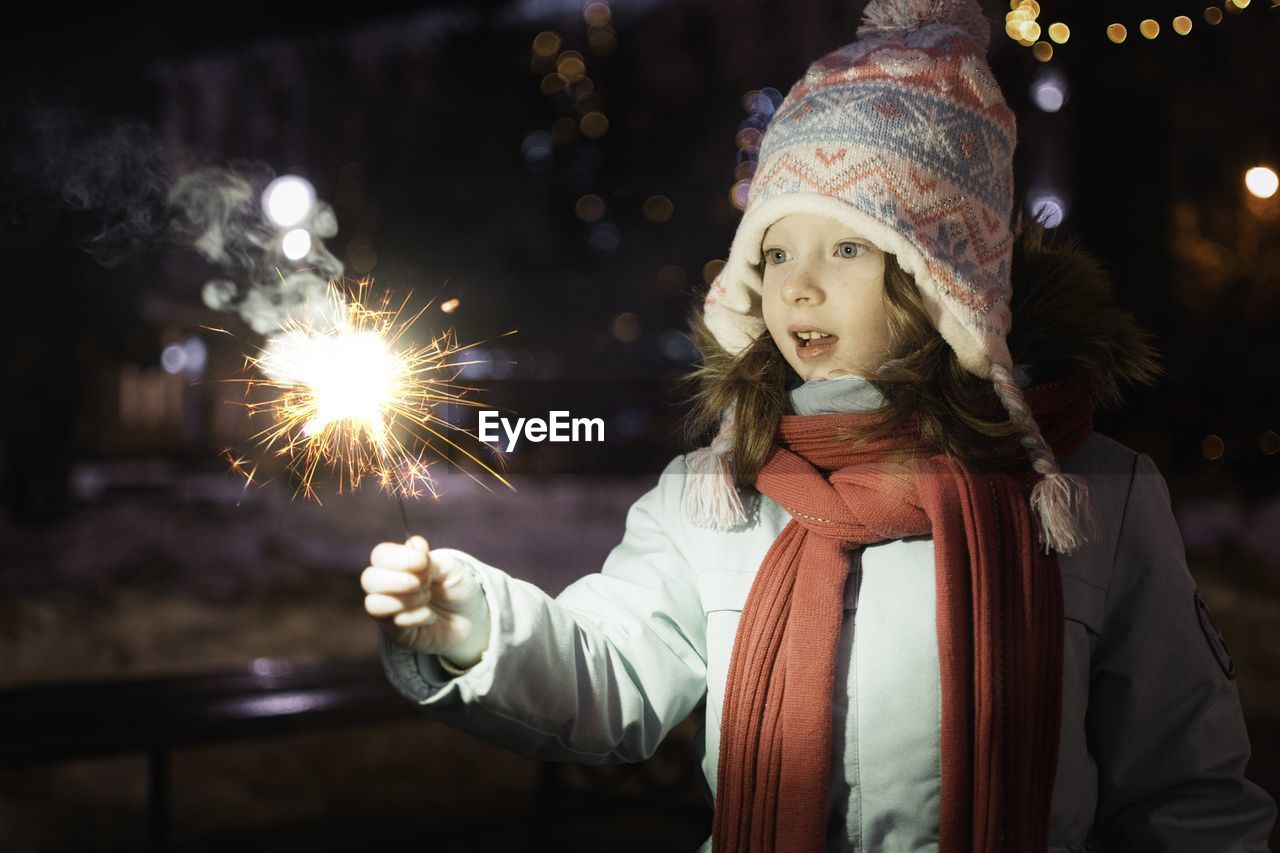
[(884, 16)]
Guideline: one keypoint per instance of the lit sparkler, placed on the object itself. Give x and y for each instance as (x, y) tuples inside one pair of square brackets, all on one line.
[(345, 393)]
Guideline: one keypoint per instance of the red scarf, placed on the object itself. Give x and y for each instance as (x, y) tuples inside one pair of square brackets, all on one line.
[(999, 621)]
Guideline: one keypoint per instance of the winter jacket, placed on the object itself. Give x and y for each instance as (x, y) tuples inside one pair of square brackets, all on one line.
[(1153, 745)]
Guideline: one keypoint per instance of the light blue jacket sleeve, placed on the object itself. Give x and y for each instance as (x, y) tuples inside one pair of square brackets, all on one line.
[(1164, 719), (599, 674)]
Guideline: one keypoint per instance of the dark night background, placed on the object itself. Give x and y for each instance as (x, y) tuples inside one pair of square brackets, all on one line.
[(127, 549)]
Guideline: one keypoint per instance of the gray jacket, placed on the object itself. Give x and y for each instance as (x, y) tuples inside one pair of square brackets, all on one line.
[(1153, 747)]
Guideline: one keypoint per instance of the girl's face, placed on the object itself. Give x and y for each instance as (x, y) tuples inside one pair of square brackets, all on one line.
[(820, 276)]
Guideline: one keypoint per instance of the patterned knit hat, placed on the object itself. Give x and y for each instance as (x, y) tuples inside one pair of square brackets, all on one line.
[(904, 136)]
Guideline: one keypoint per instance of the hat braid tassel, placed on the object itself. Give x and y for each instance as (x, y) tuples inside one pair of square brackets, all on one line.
[(710, 496), (1061, 502)]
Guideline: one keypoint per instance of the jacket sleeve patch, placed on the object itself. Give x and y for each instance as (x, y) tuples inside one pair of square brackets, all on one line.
[(1217, 644)]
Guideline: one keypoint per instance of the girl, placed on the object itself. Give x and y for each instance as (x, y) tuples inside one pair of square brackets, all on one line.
[(927, 607)]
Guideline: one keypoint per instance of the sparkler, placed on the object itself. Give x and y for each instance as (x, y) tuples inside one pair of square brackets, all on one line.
[(345, 392)]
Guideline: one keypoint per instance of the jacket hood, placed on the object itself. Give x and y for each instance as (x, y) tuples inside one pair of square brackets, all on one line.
[(1067, 323)]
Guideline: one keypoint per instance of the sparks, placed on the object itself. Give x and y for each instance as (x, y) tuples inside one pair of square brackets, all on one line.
[(344, 393)]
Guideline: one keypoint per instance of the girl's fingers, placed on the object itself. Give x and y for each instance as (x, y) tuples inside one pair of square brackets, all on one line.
[(376, 580), (413, 618), (381, 606), (452, 587), (392, 555)]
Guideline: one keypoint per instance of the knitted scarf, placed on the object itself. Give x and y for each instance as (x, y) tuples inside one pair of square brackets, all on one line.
[(999, 623)]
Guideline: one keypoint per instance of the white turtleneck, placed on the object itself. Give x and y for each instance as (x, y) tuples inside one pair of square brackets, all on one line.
[(839, 394)]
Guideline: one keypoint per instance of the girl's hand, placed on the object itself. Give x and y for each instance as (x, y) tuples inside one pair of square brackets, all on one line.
[(426, 605)]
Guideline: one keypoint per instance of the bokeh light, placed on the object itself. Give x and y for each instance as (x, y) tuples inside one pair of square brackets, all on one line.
[(1042, 51), (1212, 447), (288, 200), (536, 147), (551, 84), (1049, 91), (671, 275), (589, 208), (658, 208), (759, 102), (602, 41), (1150, 28), (1182, 25), (1048, 207), (546, 44), (570, 65), (604, 238), (711, 269), (187, 357), (677, 346), (1269, 442), (296, 244), (739, 193), (1117, 33), (1261, 181), (361, 256), (1059, 32), (594, 125), (626, 327), (449, 305), (1213, 15), (749, 137), (596, 14)]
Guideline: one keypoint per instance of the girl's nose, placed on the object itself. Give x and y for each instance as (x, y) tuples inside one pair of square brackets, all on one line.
[(802, 286)]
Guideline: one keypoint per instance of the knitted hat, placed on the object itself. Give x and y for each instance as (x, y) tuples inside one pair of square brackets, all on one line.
[(904, 136)]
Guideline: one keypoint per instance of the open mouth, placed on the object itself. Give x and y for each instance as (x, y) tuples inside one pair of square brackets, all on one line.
[(808, 339), (812, 344)]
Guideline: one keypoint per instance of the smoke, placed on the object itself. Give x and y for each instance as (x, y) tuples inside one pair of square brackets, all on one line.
[(106, 177), (109, 182), (218, 212)]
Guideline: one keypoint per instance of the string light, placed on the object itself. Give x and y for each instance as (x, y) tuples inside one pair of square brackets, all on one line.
[(1022, 26), (1261, 182)]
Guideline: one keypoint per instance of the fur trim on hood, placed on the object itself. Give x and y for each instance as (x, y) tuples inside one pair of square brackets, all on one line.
[(1068, 324)]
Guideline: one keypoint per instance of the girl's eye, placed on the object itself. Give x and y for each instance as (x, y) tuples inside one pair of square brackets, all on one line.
[(851, 250), (775, 256)]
